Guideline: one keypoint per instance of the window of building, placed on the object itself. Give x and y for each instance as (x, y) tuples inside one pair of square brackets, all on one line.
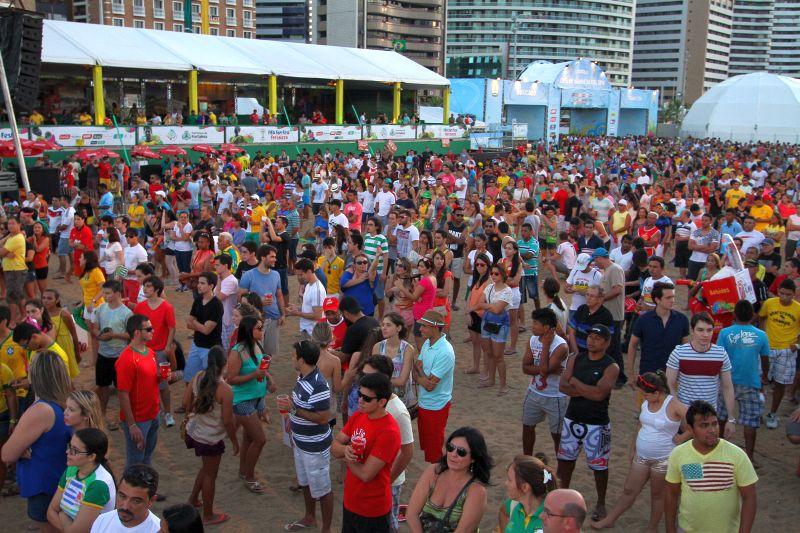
[(138, 24), (158, 8), (158, 26), (118, 7), (247, 35), (138, 8), (177, 27), (118, 22), (230, 33), (214, 31), (230, 13), (177, 9)]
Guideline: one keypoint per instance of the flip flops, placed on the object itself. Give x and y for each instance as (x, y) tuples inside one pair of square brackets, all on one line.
[(297, 526), (217, 519)]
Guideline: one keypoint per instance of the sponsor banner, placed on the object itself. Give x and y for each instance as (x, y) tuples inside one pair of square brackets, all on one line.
[(85, 136), (152, 135), (5, 133), (441, 131), (329, 133), (612, 124), (262, 134), (389, 131), (519, 131)]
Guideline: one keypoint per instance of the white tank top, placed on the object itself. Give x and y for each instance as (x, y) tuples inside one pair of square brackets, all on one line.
[(654, 440)]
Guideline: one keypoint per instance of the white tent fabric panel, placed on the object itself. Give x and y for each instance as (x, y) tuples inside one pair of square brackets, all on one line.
[(111, 46), (751, 107), (209, 53), (90, 44)]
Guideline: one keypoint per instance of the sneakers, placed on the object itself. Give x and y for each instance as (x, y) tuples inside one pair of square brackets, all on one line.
[(169, 421), (771, 420)]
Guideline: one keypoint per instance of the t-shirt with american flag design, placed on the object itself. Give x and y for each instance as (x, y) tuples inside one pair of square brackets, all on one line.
[(710, 485)]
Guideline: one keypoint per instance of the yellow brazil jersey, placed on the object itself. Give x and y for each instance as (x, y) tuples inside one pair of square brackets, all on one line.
[(761, 213), (16, 260), (333, 272), (782, 324), (136, 214), (502, 181), (732, 197), (256, 218), (6, 377), (56, 349), (13, 355), (91, 284)]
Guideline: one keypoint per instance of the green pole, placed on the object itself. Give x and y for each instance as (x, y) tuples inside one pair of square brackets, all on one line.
[(286, 113), (187, 17), (124, 150)]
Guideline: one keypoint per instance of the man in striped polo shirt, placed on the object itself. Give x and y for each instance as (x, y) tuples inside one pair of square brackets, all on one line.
[(700, 370), (309, 412), (376, 248)]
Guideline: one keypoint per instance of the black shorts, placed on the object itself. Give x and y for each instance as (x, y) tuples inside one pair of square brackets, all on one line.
[(475, 325), (41, 273), (105, 374), (544, 245), (37, 507), (353, 523)]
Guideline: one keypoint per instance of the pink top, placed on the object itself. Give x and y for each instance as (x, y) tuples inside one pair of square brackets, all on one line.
[(425, 301)]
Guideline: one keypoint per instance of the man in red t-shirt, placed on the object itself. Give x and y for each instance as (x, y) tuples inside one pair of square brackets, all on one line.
[(162, 317), (137, 385), (330, 306), (369, 444)]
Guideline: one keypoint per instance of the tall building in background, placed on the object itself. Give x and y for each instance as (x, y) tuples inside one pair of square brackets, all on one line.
[(681, 47), (766, 36), (415, 28), (230, 18), (483, 36), (284, 20)]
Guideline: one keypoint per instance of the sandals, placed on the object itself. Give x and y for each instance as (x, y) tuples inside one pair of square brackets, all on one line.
[(254, 486), (217, 519), (297, 525)]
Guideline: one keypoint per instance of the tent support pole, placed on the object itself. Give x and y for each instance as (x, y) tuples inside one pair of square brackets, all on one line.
[(445, 105), (339, 101), (204, 17), (193, 100), (97, 92), (273, 94), (396, 102)]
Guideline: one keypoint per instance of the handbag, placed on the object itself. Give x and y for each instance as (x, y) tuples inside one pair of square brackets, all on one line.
[(493, 322)]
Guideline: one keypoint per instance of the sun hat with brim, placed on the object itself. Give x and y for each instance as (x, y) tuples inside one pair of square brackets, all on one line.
[(432, 318), (600, 329)]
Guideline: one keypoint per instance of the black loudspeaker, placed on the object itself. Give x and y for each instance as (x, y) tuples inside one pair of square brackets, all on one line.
[(21, 46), (45, 181), (148, 170)]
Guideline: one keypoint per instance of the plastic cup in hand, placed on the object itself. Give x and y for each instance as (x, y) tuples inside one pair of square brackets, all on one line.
[(264, 365), (164, 369), (269, 298), (359, 444), (282, 400)]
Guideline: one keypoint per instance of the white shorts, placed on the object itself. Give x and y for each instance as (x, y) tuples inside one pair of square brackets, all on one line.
[(457, 267), (313, 471), (516, 298)]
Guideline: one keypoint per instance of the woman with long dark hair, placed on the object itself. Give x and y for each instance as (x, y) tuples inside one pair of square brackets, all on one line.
[(208, 402), (444, 288), (422, 295), (497, 297), (92, 287), (402, 355), (87, 486), (512, 262), (480, 279), (528, 480), (464, 470), (250, 384)]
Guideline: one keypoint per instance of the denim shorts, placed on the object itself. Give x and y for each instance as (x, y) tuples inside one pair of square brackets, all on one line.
[(500, 336), (37, 507), (529, 286), (196, 360), (248, 407), (63, 246)]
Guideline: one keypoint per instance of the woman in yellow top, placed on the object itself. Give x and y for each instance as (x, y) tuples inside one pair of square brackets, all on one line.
[(92, 288), (620, 221), (136, 215), (65, 332), (12, 250), (775, 230)]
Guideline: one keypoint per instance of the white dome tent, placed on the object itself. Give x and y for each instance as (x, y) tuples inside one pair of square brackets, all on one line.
[(751, 107)]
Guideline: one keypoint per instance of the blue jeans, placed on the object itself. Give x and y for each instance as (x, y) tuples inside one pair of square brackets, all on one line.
[(196, 360), (134, 455)]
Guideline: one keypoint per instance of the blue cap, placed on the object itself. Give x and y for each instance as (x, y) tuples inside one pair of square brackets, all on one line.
[(599, 252)]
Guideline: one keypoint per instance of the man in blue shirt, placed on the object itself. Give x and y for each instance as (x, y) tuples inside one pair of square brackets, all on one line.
[(433, 371), (106, 204), (745, 344), (266, 282), (730, 226), (658, 331)]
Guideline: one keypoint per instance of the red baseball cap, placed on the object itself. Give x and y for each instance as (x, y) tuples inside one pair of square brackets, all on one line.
[(331, 303)]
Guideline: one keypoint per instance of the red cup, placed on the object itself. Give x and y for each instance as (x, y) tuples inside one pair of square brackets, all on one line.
[(264, 365), (280, 398), (164, 369), (359, 444)]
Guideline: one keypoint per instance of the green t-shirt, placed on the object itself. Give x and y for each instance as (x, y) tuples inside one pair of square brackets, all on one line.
[(95, 490), (519, 522)]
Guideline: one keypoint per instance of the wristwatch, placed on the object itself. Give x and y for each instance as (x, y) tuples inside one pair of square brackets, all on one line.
[(731, 421)]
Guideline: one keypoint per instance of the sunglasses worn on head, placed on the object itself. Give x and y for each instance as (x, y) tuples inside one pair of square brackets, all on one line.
[(462, 452)]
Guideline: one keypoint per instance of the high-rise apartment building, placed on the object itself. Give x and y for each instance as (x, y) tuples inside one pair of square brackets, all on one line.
[(766, 36), (415, 28), (285, 20), (231, 18), (681, 47), (483, 33)]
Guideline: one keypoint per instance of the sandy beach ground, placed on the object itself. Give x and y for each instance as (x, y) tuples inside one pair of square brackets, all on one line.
[(498, 419)]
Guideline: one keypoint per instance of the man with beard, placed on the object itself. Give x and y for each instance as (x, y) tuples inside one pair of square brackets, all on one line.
[(136, 495)]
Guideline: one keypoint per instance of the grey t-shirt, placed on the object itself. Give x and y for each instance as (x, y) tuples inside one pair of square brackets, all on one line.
[(612, 276)]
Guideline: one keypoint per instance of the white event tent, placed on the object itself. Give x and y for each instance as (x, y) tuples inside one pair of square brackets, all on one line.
[(78, 44), (746, 108)]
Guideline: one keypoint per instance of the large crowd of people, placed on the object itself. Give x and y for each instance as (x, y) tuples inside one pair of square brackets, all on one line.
[(555, 259)]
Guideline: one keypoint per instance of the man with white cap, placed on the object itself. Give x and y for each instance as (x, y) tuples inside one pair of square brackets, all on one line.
[(255, 219), (582, 276), (433, 372)]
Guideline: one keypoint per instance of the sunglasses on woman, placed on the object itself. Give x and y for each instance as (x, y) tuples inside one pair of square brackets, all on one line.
[(462, 452)]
